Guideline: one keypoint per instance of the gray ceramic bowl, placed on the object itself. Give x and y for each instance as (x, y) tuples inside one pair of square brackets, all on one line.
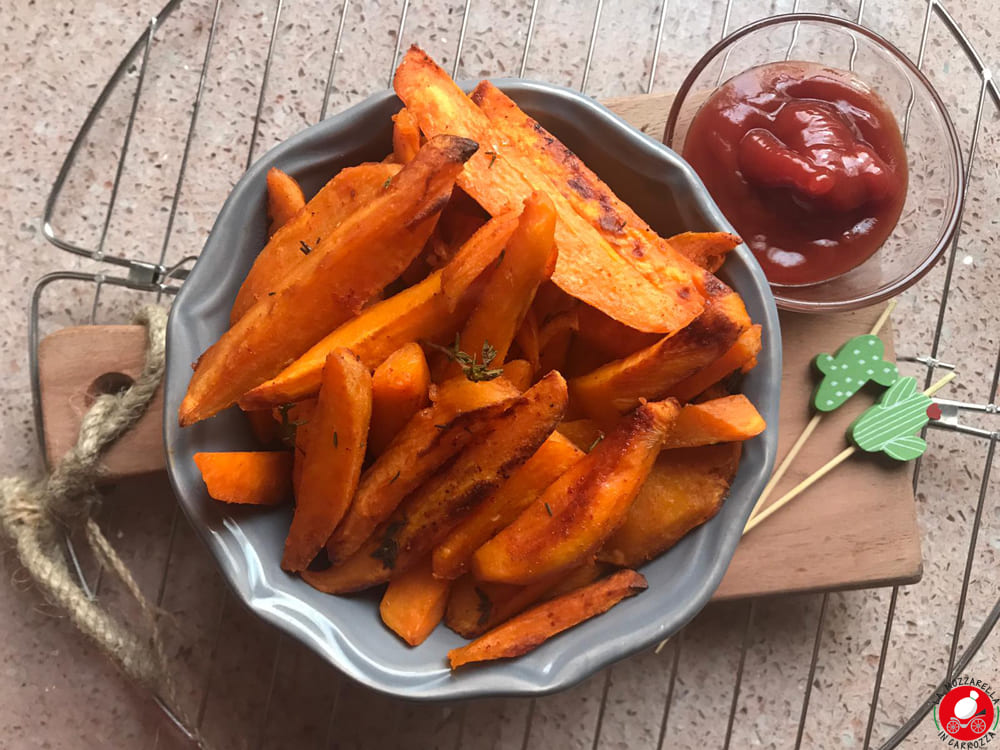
[(247, 543)]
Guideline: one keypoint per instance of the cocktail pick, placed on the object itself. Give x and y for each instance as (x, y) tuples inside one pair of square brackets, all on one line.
[(835, 380), (886, 426)]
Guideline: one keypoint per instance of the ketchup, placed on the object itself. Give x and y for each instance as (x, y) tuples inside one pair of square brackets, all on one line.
[(806, 162)]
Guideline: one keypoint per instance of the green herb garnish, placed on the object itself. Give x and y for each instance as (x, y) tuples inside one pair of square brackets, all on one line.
[(599, 438), (548, 509), (304, 247), (335, 441), (493, 158), (474, 371)]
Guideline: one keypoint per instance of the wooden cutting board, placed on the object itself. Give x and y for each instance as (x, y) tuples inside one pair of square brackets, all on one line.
[(855, 528)]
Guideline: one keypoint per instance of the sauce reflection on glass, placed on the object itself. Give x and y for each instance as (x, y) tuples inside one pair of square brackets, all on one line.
[(806, 162)]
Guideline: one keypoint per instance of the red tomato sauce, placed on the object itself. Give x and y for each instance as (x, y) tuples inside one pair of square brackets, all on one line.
[(808, 165)]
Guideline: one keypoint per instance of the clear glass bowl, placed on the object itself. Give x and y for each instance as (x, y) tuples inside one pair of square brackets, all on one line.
[(936, 184)]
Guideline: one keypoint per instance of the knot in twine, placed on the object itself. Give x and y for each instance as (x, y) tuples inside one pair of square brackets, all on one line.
[(36, 514)]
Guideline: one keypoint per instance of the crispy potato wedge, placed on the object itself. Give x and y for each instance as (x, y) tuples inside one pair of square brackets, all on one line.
[(405, 136), (330, 285), (531, 629), (476, 606), (522, 266), (350, 189), (249, 477), (576, 513), (591, 198), (618, 386), (431, 437), (413, 603), (334, 453), (284, 199), (429, 514), (399, 390), (685, 488), (721, 420), (423, 312), (550, 461), (705, 249), (742, 354), (500, 177)]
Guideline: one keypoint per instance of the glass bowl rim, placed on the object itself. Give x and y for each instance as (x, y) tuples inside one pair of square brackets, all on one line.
[(957, 205)]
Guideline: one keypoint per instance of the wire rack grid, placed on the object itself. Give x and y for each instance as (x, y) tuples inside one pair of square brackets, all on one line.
[(209, 85)]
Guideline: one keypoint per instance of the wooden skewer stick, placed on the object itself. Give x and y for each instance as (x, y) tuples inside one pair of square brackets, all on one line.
[(825, 469), (800, 441)]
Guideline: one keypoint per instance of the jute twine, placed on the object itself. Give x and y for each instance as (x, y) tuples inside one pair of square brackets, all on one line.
[(35, 515)]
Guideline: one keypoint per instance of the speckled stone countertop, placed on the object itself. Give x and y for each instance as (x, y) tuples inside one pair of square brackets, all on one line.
[(247, 686)]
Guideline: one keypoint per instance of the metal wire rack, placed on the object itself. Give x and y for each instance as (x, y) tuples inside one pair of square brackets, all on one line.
[(117, 132)]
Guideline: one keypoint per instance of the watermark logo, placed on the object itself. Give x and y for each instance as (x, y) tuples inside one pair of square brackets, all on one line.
[(966, 715)]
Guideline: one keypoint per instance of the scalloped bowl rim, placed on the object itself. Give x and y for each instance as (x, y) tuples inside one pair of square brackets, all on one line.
[(681, 581)]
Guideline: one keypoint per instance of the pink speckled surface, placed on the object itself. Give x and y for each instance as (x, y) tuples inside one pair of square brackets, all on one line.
[(251, 687)]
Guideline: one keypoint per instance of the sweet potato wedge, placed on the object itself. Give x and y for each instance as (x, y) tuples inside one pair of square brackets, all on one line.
[(334, 452), (250, 477), (431, 437), (588, 195), (618, 386), (705, 249), (478, 253), (476, 606), (549, 462), (522, 266), (423, 312), (554, 339), (405, 136), (526, 339), (519, 373), (721, 420), (399, 390), (459, 222), (350, 189), (330, 285), (263, 426), (685, 488), (413, 603), (284, 199), (585, 434), (430, 513), (742, 354), (609, 336), (531, 629), (501, 176), (576, 513)]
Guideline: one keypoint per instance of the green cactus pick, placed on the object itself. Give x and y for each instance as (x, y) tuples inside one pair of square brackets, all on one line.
[(856, 362), (891, 424)]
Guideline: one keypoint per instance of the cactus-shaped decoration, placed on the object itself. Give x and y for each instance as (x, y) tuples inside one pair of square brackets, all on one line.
[(890, 425), (856, 362)]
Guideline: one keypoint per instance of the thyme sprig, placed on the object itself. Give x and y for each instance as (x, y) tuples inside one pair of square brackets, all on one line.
[(474, 371)]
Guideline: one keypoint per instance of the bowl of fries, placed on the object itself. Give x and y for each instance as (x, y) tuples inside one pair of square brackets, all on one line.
[(463, 422)]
